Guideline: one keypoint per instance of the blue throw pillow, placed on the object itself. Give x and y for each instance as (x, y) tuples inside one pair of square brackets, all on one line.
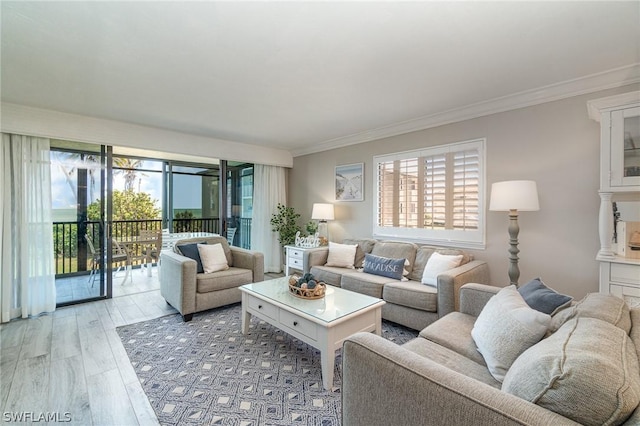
[(191, 251), (541, 298), (383, 266)]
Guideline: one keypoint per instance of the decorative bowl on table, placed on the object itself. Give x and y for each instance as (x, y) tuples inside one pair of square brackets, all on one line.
[(306, 287)]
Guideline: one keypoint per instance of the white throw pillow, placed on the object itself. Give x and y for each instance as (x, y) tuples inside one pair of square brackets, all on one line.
[(341, 255), (213, 258), (437, 264), (505, 328)]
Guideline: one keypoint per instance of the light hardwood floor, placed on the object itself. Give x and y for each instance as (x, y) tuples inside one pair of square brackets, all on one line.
[(72, 361)]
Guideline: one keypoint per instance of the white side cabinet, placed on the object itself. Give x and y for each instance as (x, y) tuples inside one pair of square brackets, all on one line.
[(619, 118), (295, 259)]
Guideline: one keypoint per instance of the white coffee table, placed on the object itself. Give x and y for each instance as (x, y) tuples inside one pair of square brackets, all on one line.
[(323, 323)]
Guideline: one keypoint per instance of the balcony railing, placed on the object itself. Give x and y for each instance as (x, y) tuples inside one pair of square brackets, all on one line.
[(72, 253)]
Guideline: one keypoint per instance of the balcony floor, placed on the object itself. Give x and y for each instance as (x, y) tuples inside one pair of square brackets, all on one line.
[(77, 288)]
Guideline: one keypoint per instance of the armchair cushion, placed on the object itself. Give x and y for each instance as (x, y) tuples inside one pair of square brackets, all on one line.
[(506, 327), (191, 251), (542, 298), (213, 258), (229, 278)]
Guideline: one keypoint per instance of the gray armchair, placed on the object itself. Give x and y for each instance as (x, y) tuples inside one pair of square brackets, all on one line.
[(189, 291)]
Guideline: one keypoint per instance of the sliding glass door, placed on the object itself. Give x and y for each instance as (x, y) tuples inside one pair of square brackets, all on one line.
[(81, 198)]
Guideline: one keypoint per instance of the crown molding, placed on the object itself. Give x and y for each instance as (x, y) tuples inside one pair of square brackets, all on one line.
[(622, 100), (617, 77)]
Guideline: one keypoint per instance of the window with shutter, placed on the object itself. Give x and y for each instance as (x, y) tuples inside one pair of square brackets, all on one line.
[(432, 195)]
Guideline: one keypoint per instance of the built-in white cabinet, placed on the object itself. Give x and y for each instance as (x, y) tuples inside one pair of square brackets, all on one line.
[(619, 118)]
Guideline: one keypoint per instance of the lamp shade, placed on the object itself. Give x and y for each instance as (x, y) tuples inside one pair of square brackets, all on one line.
[(322, 211), (514, 195)]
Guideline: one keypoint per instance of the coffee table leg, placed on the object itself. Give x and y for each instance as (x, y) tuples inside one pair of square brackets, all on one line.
[(379, 321), (328, 361), (246, 316)]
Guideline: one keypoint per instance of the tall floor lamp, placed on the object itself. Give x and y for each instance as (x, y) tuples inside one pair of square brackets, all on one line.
[(322, 213), (512, 196)]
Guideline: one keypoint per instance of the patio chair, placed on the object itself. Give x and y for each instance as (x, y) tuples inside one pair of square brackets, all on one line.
[(231, 233), (152, 250), (119, 255)]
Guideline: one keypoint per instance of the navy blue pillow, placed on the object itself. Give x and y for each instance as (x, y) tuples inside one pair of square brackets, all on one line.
[(541, 298), (383, 266), (191, 251)]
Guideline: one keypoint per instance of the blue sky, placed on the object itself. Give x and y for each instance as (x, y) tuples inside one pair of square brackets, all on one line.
[(63, 197)]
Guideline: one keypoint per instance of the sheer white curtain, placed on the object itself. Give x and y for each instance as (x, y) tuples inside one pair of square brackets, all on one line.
[(26, 230), (268, 190)]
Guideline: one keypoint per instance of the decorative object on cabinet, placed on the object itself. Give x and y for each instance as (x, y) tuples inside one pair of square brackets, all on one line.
[(323, 212), (512, 196), (349, 182), (619, 118)]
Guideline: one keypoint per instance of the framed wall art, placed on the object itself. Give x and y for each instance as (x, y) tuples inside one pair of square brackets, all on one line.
[(350, 182)]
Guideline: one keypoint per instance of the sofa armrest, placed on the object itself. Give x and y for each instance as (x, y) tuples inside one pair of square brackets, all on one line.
[(474, 296), (178, 281), (316, 257), (449, 283), (249, 259), (383, 382)]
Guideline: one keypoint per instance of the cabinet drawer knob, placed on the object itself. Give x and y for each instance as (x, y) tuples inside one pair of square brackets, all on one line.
[(295, 323), (259, 306)]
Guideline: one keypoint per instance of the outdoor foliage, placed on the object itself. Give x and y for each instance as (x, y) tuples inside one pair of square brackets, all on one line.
[(183, 222), (128, 205), (284, 222)]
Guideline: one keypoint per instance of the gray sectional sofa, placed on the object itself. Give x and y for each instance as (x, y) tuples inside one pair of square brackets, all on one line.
[(409, 303), (584, 372)]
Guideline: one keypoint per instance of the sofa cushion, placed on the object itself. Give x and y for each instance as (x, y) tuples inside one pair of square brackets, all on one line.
[(213, 258), (542, 298), (364, 283), (453, 331), (384, 266), (452, 360), (635, 329), (602, 306), (411, 294), (505, 328), (423, 254), (396, 250), (341, 255), (191, 251), (328, 274), (437, 264), (232, 277), (587, 371), (364, 246)]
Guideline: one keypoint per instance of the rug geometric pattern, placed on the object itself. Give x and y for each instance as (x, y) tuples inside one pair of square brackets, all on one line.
[(206, 371)]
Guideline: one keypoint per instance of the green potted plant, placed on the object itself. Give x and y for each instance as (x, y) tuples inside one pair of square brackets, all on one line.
[(284, 222)]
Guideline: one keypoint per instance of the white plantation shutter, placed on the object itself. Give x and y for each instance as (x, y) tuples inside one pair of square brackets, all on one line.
[(465, 189), (432, 194), (435, 192)]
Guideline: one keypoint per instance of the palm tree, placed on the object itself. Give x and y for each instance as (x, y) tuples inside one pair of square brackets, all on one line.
[(127, 168)]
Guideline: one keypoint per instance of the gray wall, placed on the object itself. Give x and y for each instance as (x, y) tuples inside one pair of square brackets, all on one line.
[(555, 144)]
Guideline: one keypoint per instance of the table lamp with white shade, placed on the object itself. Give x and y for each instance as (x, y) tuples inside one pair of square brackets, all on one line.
[(514, 196), (322, 212)]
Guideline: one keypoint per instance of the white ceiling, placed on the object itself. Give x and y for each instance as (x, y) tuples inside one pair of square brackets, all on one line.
[(304, 76)]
